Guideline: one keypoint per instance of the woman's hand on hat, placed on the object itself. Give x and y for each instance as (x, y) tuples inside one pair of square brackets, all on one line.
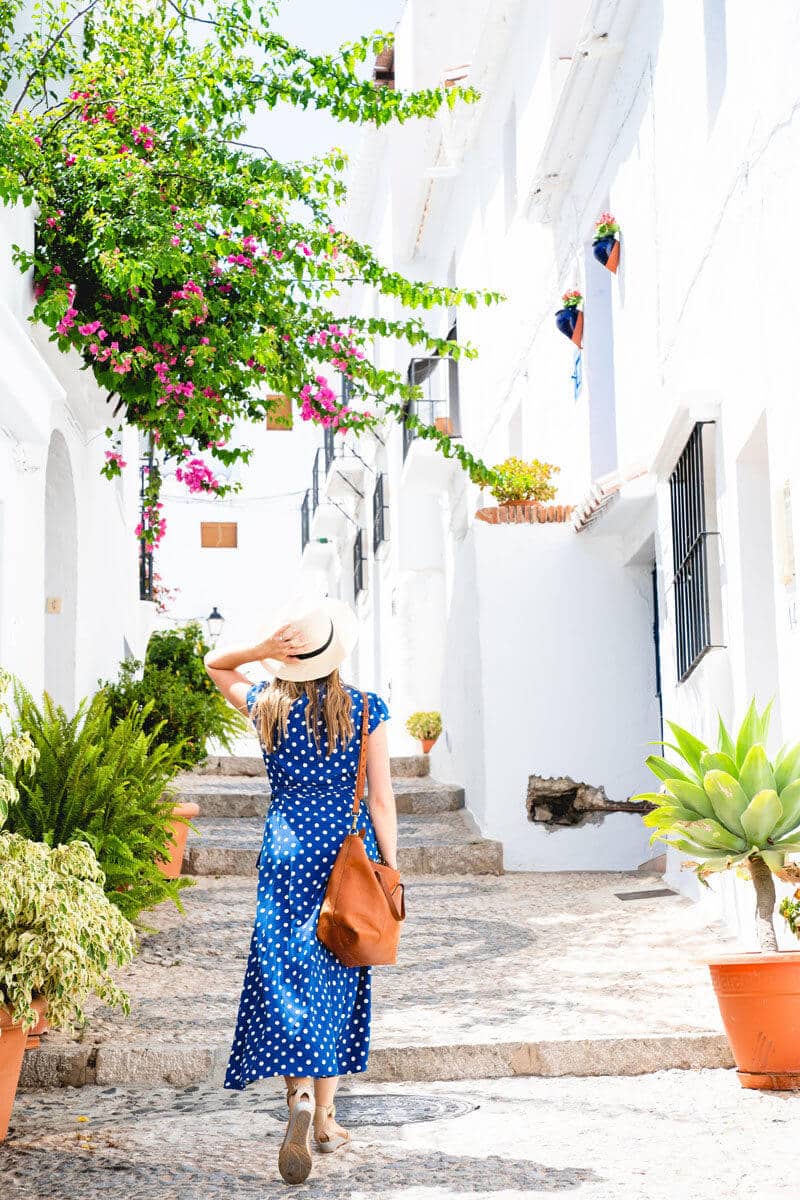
[(284, 644)]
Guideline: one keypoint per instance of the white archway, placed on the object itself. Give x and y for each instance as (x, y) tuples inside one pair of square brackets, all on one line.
[(60, 575)]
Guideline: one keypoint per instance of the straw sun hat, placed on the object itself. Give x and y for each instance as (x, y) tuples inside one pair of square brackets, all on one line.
[(330, 628)]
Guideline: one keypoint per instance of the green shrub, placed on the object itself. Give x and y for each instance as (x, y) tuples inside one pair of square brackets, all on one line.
[(518, 480), (59, 933), (103, 781), (185, 706), (424, 724)]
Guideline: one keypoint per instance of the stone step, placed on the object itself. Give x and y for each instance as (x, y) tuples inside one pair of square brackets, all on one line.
[(410, 766), (248, 795), (428, 844)]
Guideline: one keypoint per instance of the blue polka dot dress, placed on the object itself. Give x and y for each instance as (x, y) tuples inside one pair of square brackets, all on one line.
[(302, 1012)]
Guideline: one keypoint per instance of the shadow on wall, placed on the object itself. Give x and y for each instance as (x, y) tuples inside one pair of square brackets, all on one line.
[(716, 44), (462, 684), (60, 575)]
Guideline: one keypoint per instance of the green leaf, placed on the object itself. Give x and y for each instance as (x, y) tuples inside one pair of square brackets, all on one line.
[(787, 767), (765, 719), (726, 741), (728, 799), (715, 760), (664, 769), (755, 773), (761, 816), (712, 835), (749, 733), (790, 803), (690, 746), (775, 859), (692, 796)]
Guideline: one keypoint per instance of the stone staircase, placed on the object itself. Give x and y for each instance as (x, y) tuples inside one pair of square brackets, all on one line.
[(436, 834)]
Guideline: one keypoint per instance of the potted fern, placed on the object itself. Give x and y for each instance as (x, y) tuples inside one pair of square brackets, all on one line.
[(58, 931), (426, 727), (731, 807)]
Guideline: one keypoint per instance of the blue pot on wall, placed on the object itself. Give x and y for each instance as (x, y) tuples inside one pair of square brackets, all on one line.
[(606, 251), (569, 321)]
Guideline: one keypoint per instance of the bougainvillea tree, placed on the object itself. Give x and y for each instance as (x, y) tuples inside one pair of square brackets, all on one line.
[(197, 276)]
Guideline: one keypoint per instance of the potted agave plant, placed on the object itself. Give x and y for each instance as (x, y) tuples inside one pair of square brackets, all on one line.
[(605, 244), (426, 727), (733, 808), (569, 318)]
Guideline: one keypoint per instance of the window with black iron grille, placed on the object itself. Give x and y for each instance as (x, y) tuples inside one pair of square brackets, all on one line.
[(329, 447), (315, 483), (694, 563), (358, 563), (305, 520), (437, 375), (145, 551), (379, 522)]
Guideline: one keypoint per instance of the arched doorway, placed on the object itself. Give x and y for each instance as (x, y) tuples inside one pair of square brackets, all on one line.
[(60, 575)]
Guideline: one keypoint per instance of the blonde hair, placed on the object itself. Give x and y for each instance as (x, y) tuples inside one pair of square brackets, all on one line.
[(335, 710)]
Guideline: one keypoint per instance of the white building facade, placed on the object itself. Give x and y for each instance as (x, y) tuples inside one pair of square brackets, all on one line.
[(552, 649), (70, 606)]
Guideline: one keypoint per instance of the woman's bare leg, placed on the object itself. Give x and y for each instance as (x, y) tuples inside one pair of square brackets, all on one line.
[(324, 1092)]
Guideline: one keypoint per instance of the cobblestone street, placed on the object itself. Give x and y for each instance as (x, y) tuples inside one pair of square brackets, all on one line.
[(673, 1134)]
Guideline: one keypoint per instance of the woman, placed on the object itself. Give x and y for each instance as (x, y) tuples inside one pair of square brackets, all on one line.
[(302, 1013)]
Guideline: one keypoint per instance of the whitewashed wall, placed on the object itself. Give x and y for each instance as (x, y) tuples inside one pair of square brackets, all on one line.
[(683, 119), (66, 533)]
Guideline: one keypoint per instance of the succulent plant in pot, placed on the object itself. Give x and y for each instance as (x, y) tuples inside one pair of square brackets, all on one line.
[(731, 807), (426, 727)]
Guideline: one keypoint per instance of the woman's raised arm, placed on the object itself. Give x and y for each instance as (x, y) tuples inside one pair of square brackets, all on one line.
[(222, 665)]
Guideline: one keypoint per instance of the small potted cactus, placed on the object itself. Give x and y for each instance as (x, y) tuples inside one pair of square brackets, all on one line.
[(605, 244), (426, 727), (731, 807), (569, 318)]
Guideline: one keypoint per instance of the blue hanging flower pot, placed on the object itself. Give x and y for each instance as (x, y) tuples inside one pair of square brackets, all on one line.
[(606, 251), (605, 245), (569, 319)]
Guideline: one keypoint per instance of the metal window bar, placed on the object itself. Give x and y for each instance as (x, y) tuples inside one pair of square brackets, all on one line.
[(437, 375), (329, 448), (315, 483), (305, 521), (145, 551), (379, 530), (690, 556), (358, 563)]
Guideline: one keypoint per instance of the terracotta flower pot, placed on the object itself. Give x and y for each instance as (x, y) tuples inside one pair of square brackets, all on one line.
[(759, 1000), (172, 867), (427, 744), (444, 425), (34, 1038), (570, 322), (606, 251), (12, 1048)]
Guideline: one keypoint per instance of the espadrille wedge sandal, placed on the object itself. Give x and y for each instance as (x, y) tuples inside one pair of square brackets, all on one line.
[(294, 1156), (327, 1143)]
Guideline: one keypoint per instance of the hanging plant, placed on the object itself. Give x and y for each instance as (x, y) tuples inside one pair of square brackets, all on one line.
[(605, 245), (569, 318), (198, 277)]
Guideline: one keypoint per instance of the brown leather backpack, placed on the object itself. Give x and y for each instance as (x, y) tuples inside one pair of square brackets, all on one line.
[(364, 904)]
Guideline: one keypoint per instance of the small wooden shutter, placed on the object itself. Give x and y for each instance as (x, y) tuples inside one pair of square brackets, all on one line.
[(219, 534), (279, 417)]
